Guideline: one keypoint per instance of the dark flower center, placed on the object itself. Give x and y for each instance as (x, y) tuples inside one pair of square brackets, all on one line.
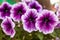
[(5, 10), (33, 7), (20, 11), (46, 20), (9, 26), (31, 19)]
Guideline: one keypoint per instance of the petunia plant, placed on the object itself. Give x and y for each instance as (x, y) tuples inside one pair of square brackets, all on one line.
[(34, 21)]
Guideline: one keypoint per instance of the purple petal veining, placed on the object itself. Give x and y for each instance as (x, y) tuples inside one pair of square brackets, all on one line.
[(46, 21), (18, 10), (5, 10), (35, 5), (8, 27), (29, 20)]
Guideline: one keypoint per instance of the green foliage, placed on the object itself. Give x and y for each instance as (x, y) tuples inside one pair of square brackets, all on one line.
[(40, 35), (57, 32), (23, 35), (11, 1), (3, 36), (1, 1)]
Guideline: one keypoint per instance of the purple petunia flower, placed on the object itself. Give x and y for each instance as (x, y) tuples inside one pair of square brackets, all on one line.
[(46, 21), (5, 10), (57, 38), (8, 27), (29, 20), (18, 10), (27, 1), (35, 5), (58, 25), (58, 13)]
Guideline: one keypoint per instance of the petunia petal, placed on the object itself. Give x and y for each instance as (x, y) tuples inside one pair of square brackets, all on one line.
[(29, 20), (46, 21), (8, 26), (5, 10), (18, 10), (35, 5)]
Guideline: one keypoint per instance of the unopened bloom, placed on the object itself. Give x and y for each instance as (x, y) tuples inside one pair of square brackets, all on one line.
[(18, 10), (46, 21), (8, 27), (35, 5), (29, 20), (5, 10)]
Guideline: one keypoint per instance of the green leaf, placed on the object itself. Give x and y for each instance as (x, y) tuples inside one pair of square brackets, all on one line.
[(1, 1), (11, 1), (18, 33), (40, 36), (57, 31), (53, 34)]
